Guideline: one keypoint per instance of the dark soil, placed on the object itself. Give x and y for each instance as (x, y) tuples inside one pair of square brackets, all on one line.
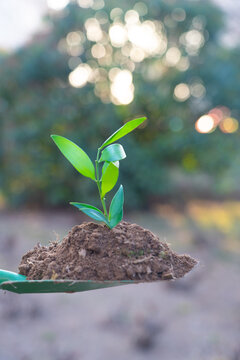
[(94, 252)]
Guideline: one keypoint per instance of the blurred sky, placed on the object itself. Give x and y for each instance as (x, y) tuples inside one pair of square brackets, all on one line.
[(20, 19)]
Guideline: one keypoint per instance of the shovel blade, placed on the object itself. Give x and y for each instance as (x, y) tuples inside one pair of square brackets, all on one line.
[(55, 286)]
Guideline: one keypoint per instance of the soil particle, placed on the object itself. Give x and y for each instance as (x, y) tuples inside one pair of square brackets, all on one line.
[(94, 252)]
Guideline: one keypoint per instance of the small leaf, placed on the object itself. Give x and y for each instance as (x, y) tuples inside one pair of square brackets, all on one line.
[(109, 177), (105, 166), (91, 211), (75, 155), (112, 153), (116, 208), (124, 130)]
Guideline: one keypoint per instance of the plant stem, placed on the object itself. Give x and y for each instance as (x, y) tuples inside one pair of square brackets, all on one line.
[(98, 185)]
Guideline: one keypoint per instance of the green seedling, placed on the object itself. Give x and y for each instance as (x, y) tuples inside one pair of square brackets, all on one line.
[(108, 156)]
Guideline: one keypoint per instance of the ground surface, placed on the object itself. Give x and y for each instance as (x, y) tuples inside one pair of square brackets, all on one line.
[(195, 318)]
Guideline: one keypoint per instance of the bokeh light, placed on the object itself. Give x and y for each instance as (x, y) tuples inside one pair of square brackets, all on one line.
[(128, 41), (217, 114), (80, 76), (118, 35), (94, 31), (182, 92), (205, 124), (116, 13), (85, 3), (193, 40), (131, 17), (73, 43), (98, 51), (57, 4), (73, 62), (176, 124), (183, 64), (137, 54), (229, 125), (146, 37), (173, 55), (179, 14), (197, 90), (141, 8), (122, 89), (98, 4), (73, 38)]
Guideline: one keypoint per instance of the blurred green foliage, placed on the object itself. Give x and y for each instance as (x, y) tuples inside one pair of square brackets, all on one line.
[(168, 159)]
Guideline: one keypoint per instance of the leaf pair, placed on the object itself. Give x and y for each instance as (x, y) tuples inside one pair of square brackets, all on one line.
[(115, 211), (81, 161)]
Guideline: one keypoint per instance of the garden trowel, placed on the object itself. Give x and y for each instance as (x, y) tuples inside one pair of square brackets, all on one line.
[(19, 284)]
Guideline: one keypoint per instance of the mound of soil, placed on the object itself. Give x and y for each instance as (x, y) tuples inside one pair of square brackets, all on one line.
[(94, 252)]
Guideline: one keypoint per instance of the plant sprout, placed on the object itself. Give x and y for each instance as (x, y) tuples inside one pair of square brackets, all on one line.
[(108, 155)]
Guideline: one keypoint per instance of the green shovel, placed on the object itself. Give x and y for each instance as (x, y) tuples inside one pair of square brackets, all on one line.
[(17, 283)]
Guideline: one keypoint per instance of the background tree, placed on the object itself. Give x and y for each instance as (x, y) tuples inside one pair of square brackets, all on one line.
[(97, 66)]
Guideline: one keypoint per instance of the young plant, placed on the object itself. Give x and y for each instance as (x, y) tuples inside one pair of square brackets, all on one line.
[(108, 155)]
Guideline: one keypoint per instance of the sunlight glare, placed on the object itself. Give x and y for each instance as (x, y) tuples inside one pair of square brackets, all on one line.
[(145, 37), (118, 35), (122, 89)]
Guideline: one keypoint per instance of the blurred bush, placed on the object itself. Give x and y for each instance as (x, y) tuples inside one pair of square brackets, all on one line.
[(187, 74)]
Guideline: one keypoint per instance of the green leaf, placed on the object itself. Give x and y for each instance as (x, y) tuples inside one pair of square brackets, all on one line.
[(91, 211), (105, 166), (109, 177), (116, 208), (112, 153), (124, 130), (77, 157)]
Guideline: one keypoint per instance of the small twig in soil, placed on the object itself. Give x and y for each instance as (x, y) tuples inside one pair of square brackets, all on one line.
[(142, 260)]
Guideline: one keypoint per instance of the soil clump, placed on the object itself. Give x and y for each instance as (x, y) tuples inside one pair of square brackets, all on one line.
[(94, 252)]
